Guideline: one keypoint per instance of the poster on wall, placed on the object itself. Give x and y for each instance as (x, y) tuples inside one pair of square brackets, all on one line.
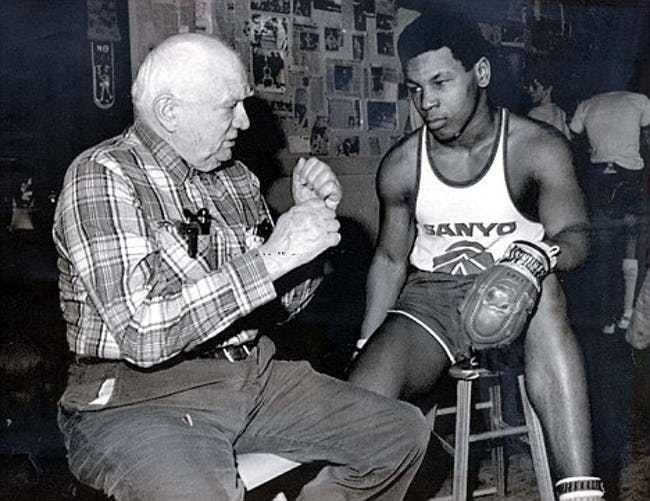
[(344, 78), (382, 115), (103, 32), (347, 146), (333, 39), (278, 6), (319, 138), (385, 43), (344, 113), (328, 5), (306, 47), (359, 14), (269, 70), (267, 32), (268, 37), (358, 47), (301, 8)]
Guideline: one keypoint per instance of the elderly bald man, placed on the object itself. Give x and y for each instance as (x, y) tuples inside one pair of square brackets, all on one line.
[(166, 281)]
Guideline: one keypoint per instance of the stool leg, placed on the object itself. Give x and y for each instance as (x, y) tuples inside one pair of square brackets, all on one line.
[(461, 444), (537, 446), (496, 423)]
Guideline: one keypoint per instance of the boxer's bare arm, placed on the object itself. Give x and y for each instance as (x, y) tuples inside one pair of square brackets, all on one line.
[(396, 182), (561, 204)]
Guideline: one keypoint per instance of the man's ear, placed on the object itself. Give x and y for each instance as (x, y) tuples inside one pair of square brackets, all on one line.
[(483, 72), (164, 109)]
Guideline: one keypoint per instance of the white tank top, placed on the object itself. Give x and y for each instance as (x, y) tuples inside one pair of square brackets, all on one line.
[(462, 228)]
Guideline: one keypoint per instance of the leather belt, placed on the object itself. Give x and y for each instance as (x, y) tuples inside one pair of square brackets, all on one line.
[(231, 353)]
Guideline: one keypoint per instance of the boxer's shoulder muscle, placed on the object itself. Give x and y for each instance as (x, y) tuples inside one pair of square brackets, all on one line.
[(397, 174), (533, 147)]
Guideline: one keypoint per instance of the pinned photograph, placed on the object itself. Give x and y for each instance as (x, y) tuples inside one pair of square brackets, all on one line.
[(328, 5), (376, 81), (385, 45), (358, 47), (306, 47), (333, 39), (368, 6), (319, 140), (382, 115), (308, 40), (385, 22), (347, 146), (269, 70), (302, 8), (281, 107), (279, 6), (344, 79), (344, 113), (360, 21), (300, 100), (267, 32), (384, 83)]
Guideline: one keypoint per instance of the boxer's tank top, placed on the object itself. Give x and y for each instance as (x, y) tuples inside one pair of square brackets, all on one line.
[(462, 228)]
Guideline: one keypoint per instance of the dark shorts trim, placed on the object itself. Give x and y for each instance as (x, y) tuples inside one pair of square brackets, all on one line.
[(441, 340), (432, 300)]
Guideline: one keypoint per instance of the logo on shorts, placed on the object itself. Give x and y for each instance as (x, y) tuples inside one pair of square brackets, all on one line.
[(463, 258)]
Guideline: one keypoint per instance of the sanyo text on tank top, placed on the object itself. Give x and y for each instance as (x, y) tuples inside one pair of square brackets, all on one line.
[(462, 228)]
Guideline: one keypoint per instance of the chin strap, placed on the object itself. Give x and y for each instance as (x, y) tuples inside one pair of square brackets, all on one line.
[(580, 489)]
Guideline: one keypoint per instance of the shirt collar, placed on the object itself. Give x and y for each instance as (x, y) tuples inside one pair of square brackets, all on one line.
[(165, 155)]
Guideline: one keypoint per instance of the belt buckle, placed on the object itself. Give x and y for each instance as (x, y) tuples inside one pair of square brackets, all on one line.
[(233, 354)]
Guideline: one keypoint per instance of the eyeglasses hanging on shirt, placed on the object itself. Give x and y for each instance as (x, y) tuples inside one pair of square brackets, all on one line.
[(198, 223), (193, 226)]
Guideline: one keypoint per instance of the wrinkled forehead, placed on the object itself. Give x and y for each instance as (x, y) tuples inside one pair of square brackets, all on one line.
[(224, 79), (231, 89)]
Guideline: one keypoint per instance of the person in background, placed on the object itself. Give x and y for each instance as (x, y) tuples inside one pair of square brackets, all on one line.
[(540, 89), (612, 123), (170, 269)]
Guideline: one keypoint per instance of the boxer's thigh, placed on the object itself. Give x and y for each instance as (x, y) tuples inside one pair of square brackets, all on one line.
[(401, 359), (549, 329), (145, 452)]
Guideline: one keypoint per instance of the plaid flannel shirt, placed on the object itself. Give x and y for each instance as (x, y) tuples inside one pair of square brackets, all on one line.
[(128, 287)]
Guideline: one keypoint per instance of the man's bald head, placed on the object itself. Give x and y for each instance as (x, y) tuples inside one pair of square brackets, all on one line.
[(190, 90), (187, 66)]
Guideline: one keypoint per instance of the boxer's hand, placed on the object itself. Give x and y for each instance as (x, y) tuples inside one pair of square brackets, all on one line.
[(313, 179), (300, 234)]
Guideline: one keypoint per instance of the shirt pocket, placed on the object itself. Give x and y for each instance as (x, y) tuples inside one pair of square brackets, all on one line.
[(228, 241)]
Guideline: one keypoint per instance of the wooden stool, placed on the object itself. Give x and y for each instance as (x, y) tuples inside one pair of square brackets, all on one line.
[(465, 374)]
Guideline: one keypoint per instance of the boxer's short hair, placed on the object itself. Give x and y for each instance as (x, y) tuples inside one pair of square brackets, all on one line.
[(433, 31)]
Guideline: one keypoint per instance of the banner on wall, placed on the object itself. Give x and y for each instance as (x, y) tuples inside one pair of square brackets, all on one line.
[(103, 63), (103, 31)]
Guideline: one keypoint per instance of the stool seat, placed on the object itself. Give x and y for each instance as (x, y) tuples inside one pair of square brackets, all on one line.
[(466, 373), (256, 469), (469, 369)]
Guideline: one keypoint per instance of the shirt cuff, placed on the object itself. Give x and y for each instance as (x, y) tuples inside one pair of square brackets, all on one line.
[(251, 283)]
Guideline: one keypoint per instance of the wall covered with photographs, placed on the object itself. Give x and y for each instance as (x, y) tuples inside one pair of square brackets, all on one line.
[(327, 68)]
